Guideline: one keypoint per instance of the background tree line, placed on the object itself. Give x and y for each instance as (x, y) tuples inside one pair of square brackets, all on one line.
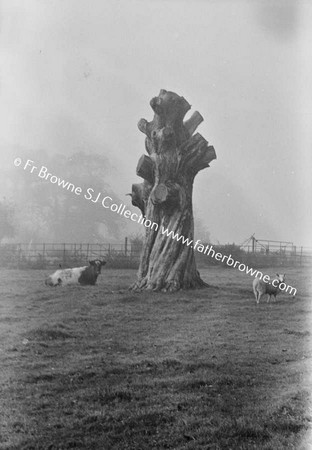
[(39, 210)]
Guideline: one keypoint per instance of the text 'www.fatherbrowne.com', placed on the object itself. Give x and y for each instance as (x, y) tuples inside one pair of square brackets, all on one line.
[(209, 251)]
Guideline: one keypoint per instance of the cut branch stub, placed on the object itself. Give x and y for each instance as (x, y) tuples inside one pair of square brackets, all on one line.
[(145, 168), (192, 123), (140, 194), (142, 125), (163, 193), (198, 158), (192, 143), (202, 159), (157, 105), (211, 153), (160, 194)]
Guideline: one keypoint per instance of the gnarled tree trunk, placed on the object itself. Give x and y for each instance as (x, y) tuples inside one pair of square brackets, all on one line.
[(175, 156)]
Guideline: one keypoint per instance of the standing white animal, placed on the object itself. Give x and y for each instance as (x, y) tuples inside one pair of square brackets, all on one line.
[(261, 287)]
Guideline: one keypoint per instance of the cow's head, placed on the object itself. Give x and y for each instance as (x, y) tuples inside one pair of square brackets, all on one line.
[(97, 264), (53, 281)]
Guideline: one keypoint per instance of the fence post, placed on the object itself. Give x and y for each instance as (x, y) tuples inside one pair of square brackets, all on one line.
[(126, 246), (293, 254), (43, 254), (19, 252), (64, 253)]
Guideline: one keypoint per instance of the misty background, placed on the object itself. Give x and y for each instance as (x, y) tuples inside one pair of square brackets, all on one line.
[(77, 76)]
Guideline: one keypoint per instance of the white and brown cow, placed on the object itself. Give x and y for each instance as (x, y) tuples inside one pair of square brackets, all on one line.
[(78, 275)]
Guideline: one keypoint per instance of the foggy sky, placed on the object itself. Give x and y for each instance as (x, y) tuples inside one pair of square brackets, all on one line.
[(78, 75)]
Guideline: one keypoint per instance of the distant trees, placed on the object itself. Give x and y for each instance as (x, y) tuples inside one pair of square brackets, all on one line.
[(7, 228), (137, 241), (47, 211), (200, 230)]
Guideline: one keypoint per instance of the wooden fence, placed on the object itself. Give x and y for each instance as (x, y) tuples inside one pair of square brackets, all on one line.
[(127, 254), (282, 250), (68, 254)]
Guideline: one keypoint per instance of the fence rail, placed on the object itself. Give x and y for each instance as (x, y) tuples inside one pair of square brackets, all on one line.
[(281, 249), (53, 254), (127, 254)]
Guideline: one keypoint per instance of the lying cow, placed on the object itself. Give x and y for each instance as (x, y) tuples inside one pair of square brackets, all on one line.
[(78, 275)]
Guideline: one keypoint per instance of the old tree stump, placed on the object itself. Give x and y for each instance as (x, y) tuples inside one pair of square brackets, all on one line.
[(175, 156)]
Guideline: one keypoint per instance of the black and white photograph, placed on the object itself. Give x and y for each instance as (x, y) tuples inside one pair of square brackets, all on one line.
[(155, 225)]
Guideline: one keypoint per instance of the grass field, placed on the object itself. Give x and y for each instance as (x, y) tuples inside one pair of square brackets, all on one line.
[(100, 367)]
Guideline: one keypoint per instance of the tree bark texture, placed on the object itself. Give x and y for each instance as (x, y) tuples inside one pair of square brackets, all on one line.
[(175, 156)]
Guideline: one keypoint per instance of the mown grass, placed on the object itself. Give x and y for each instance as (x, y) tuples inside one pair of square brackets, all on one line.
[(103, 368)]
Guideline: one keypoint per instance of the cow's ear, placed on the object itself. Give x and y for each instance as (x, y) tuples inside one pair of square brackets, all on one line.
[(92, 263), (103, 263)]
